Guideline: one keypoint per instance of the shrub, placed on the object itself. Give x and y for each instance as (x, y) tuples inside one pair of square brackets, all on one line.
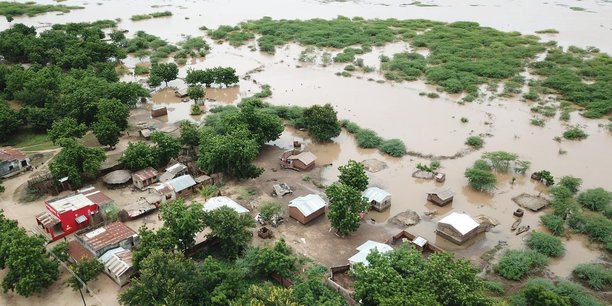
[(554, 223), (196, 110), (349, 68), (546, 244), (537, 122), (350, 126), (367, 138), (464, 120), (596, 276), (480, 176), (269, 210), (575, 133), (209, 191), (494, 287), (393, 147), (433, 95), (475, 142), (141, 70), (515, 264), (596, 226), (571, 183), (597, 199)]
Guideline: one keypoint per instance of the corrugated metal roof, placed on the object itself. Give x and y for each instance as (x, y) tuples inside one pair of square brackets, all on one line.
[(443, 193), (461, 222), (308, 204), (107, 235), (10, 153), (182, 182), (306, 157), (376, 194), (216, 202), (117, 260), (95, 195), (77, 251), (69, 203), (365, 249), (146, 174)]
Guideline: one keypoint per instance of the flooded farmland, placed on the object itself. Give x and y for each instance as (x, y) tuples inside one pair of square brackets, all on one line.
[(395, 110)]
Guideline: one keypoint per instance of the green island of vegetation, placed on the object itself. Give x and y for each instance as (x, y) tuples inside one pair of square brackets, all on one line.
[(461, 55), (12, 9), (151, 15)]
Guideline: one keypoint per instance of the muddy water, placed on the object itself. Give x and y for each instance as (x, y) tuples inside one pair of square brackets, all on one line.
[(397, 110)]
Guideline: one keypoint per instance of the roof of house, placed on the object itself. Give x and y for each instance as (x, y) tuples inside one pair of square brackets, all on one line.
[(461, 222), (366, 248), (162, 188), (202, 178), (157, 107), (73, 202), (145, 133), (376, 194), (443, 193), (308, 204), (420, 241), (107, 235), (145, 174), (117, 177), (182, 182), (306, 157), (117, 260), (47, 219), (172, 171), (216, 202), (95, 195), (77, 251), (10, 153)]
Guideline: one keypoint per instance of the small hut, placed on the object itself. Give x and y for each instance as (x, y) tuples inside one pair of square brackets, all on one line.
[(13, 161), (117, 178), (307, 208), (378, 198), (365, 250), (458, 227), (300, 161), (158, 111), (203, 180), (118, 265), (145, 177), (181, 93), (182, 185), (441, 196)]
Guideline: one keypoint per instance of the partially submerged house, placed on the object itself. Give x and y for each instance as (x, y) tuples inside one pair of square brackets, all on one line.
[(378, 198), (173, 171), (307, 208), (67, 214), (110, 236), (296, 160), (458, 227), (12, 162), (145, 177), (158, 111), (181, 93), (441, 196), (145, 133), (118, 265), (365, 249), (217, 202)]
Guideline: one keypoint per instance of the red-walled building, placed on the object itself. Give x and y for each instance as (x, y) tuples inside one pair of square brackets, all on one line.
[(68, 214)]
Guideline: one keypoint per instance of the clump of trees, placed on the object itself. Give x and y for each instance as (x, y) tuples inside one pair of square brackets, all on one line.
[(345, 200), (219, 75), (76, 162), (480, 176), (140, 155), (322, 122), (409, 279), (367, 138), (394, 147), (596, 199)]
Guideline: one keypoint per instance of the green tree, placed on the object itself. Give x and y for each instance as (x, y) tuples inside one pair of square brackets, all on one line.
[(85, 270), (190, 136), (322, 122), (128, 93), (115, 111), (353, 174), (309, 288), (164, 72), (183, 221), (269, 210), (267, 294), (9, 122), (571, 183), (107, 132), (278, 259), (66, 128), (596, 199), (138, 156), (76, 162), (263, 126), (233, 230), (204, 77), (161, 240), (166, 147), (345, 205), (480, 176), (500, 160), (60, 250), (195, 93), (231, 153), (38, 118), (541, 296)]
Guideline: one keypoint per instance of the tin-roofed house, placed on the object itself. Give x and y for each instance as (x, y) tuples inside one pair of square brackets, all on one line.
[(300, 161), (217, 202), (173, 171), (458, 227), (378, 198), (182, 185), (118, 265), (441, 196), (145, 177), (365, 250), (13, 161), (307, 208), (67, 214), (108, 237)]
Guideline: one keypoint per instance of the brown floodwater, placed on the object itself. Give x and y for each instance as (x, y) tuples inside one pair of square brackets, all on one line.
[(428, 126)]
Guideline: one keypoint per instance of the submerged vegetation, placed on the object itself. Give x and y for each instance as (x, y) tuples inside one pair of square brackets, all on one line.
[(151, 15), (367, 138), (11, 9), (461, 55)]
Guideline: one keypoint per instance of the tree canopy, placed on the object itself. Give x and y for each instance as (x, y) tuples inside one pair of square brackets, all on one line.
[(165, 72), (345, 205), (183, 221), (322, 122), (66, 128), (166, 147), (233, 230), (76, 162), (353, 174), (138, 155), (231, 153)]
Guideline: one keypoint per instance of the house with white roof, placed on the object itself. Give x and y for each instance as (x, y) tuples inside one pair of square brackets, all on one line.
[(378, 198), (365, 250), (217, 202), (458, 227), (118, 265), (307, 208)]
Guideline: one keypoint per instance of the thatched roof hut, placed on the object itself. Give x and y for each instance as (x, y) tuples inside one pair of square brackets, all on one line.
[(117, 177)]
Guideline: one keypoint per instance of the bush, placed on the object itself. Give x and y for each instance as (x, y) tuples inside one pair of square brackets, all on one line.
[(554, 223), (598, 277), (349, 68), (494, 287), (433, 95), (475, 142), (196, 110), (269, 210), (546, 244), (597, 199), (537, 122), (393, 147), (367, 138), (480, 176), (141, 70), (350, 126), (464, 120), (515, 264), (571, 183), (596, 226), (575, 133)]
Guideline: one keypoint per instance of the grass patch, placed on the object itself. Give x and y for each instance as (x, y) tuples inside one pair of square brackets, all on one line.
[(393, 147), (537, 121), (540, 291), (30, 9), (475, 142), (367, 138), (141, 69), (575, 133), (598, 277), (28, 140), (140, 17), (577, 8), (151, 16), (548, 31), (554, 223), (546, 244), (516, 264), (594, 225)]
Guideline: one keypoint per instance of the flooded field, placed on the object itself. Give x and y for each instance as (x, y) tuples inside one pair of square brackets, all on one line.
[(395, 110)]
